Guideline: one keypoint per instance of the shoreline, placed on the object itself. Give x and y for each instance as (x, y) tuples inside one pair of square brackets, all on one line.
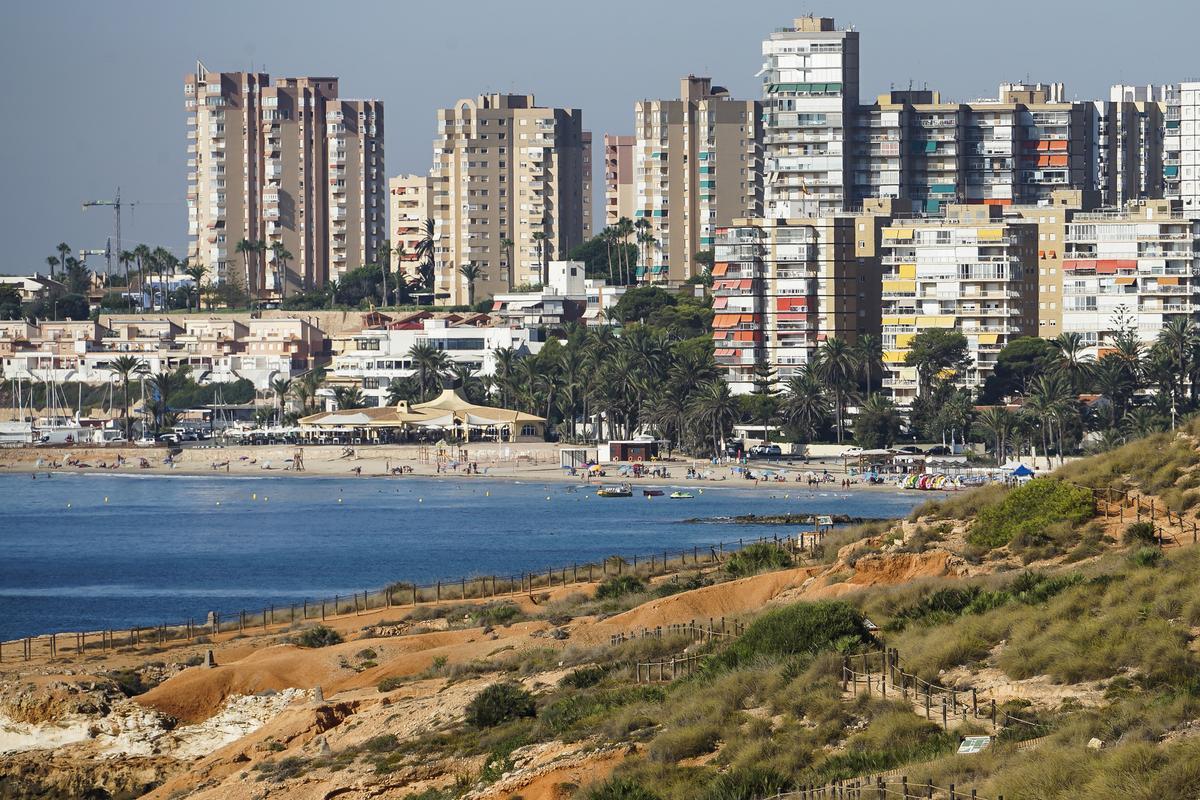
[(535, 463)]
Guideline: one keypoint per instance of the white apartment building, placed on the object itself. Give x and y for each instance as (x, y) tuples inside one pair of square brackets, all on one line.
[(810, 100), (569, 296), (410, 200), (1181, 146), (372, 359), (1134, 267), (971, 271)]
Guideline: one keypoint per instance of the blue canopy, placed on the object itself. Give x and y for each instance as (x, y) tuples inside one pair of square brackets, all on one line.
[(1022, 471)]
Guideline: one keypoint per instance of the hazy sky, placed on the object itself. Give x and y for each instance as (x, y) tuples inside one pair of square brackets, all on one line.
[(94, 94)]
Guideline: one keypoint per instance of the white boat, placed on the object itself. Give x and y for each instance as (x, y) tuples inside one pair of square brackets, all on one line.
[(681, 495)]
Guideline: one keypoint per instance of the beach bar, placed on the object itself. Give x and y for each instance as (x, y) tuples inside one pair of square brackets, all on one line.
[(449, 415)]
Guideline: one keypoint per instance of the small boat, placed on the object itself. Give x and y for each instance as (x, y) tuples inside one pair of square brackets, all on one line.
[(624, 490), (652, 492), (681, 495)]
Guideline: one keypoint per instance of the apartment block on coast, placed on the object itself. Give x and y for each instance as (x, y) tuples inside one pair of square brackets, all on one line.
[(290, 165), (508, 192), (697, 164)]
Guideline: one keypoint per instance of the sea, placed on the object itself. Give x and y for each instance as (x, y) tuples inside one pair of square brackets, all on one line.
[(88, 551)]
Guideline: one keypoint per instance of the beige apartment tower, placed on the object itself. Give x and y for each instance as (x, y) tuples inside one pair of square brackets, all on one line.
[(289, 166), (509, 183), (619, 186), (697, 166), (410, 204)]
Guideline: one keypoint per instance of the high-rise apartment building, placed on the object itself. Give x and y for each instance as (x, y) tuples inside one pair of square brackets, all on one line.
[(1129, 139), (289, 165), (810, 103), (1018, 149), (972, 271), (619, 186), (587, 185), (783, 287), (697, 165), (1133, 268), (410, 205), (225, 170), (1181, 146), (505, 170)]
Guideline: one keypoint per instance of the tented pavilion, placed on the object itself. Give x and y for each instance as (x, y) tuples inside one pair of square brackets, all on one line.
[(449, 415)]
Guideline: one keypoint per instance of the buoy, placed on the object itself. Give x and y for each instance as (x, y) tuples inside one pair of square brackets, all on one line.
[(420, 499), (254, 496), (265, 499), (339, 499), (547, 497), (106, 499), (218, 502), (487, 494), (68, 505)]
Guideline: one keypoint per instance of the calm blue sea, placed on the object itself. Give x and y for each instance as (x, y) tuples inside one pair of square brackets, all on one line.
[(84, 552)]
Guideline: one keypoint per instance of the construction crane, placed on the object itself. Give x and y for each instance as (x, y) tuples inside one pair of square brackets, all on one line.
[(116, 207)]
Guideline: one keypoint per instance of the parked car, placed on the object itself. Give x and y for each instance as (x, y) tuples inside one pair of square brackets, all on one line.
[(734, 449), (912, 451), (940, 450), (771, 452), (169, 438), (852, 452)]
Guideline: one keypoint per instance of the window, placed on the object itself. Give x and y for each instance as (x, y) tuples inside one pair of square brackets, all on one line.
[(528, 430)]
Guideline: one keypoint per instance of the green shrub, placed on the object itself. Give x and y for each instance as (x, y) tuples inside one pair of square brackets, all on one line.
[(388, 684), (682, 742), (800, 629), (498, 614), (1146, 557), (619, 586), (1140, 533), (747, 783), (1029, 511), (584, 677), (318, 636), (384, 743), (620, 789), (499, 703), (573, 711), (757, 557)]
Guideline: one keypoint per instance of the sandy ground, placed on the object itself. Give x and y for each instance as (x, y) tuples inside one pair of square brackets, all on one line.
[(536, 462)]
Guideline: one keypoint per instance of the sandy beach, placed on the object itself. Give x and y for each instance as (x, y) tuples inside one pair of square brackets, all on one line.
[(533, 462)]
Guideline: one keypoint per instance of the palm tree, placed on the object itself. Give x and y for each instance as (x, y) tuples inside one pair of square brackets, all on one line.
[(996, 423), (124, 367), (64, 250), (142, 252), (383, 254), (869, 352), (837, 366), (714, 407), (608, 238), (1050, 398), (1179, 338), (305, 388), (624, 229), (348, 397), (1070, 358), (539, 237), (505, 359), (197, 274), (805, 404), (281, 387), (126, 258), (642, 236), (52, 262), (430, 364), (1111, 379), (470, 273), (403, 390), (245, 247), (506, 245), (282, 256), (425, 248)]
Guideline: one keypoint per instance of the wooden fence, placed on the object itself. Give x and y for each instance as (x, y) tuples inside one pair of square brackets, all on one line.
[(879, 789), (943, 704), (397, 595), (680, 665), (1133, 507)]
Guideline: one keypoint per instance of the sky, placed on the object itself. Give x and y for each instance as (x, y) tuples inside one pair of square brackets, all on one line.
[(95, 89)]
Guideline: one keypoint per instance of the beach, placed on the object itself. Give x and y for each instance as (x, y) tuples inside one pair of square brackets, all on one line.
[(526, 461)]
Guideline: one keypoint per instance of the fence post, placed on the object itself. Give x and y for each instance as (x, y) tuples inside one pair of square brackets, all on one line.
[(927, 710), (974, 702), (904, 786), (943, 712), (993, 714)]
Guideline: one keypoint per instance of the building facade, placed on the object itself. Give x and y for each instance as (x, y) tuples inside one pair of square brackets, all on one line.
[(810, 102), (288, 165), (973, 271), (410, 204), (697, 166), (508, 197), (619, 187), (1133, 269), (1181, 146)]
